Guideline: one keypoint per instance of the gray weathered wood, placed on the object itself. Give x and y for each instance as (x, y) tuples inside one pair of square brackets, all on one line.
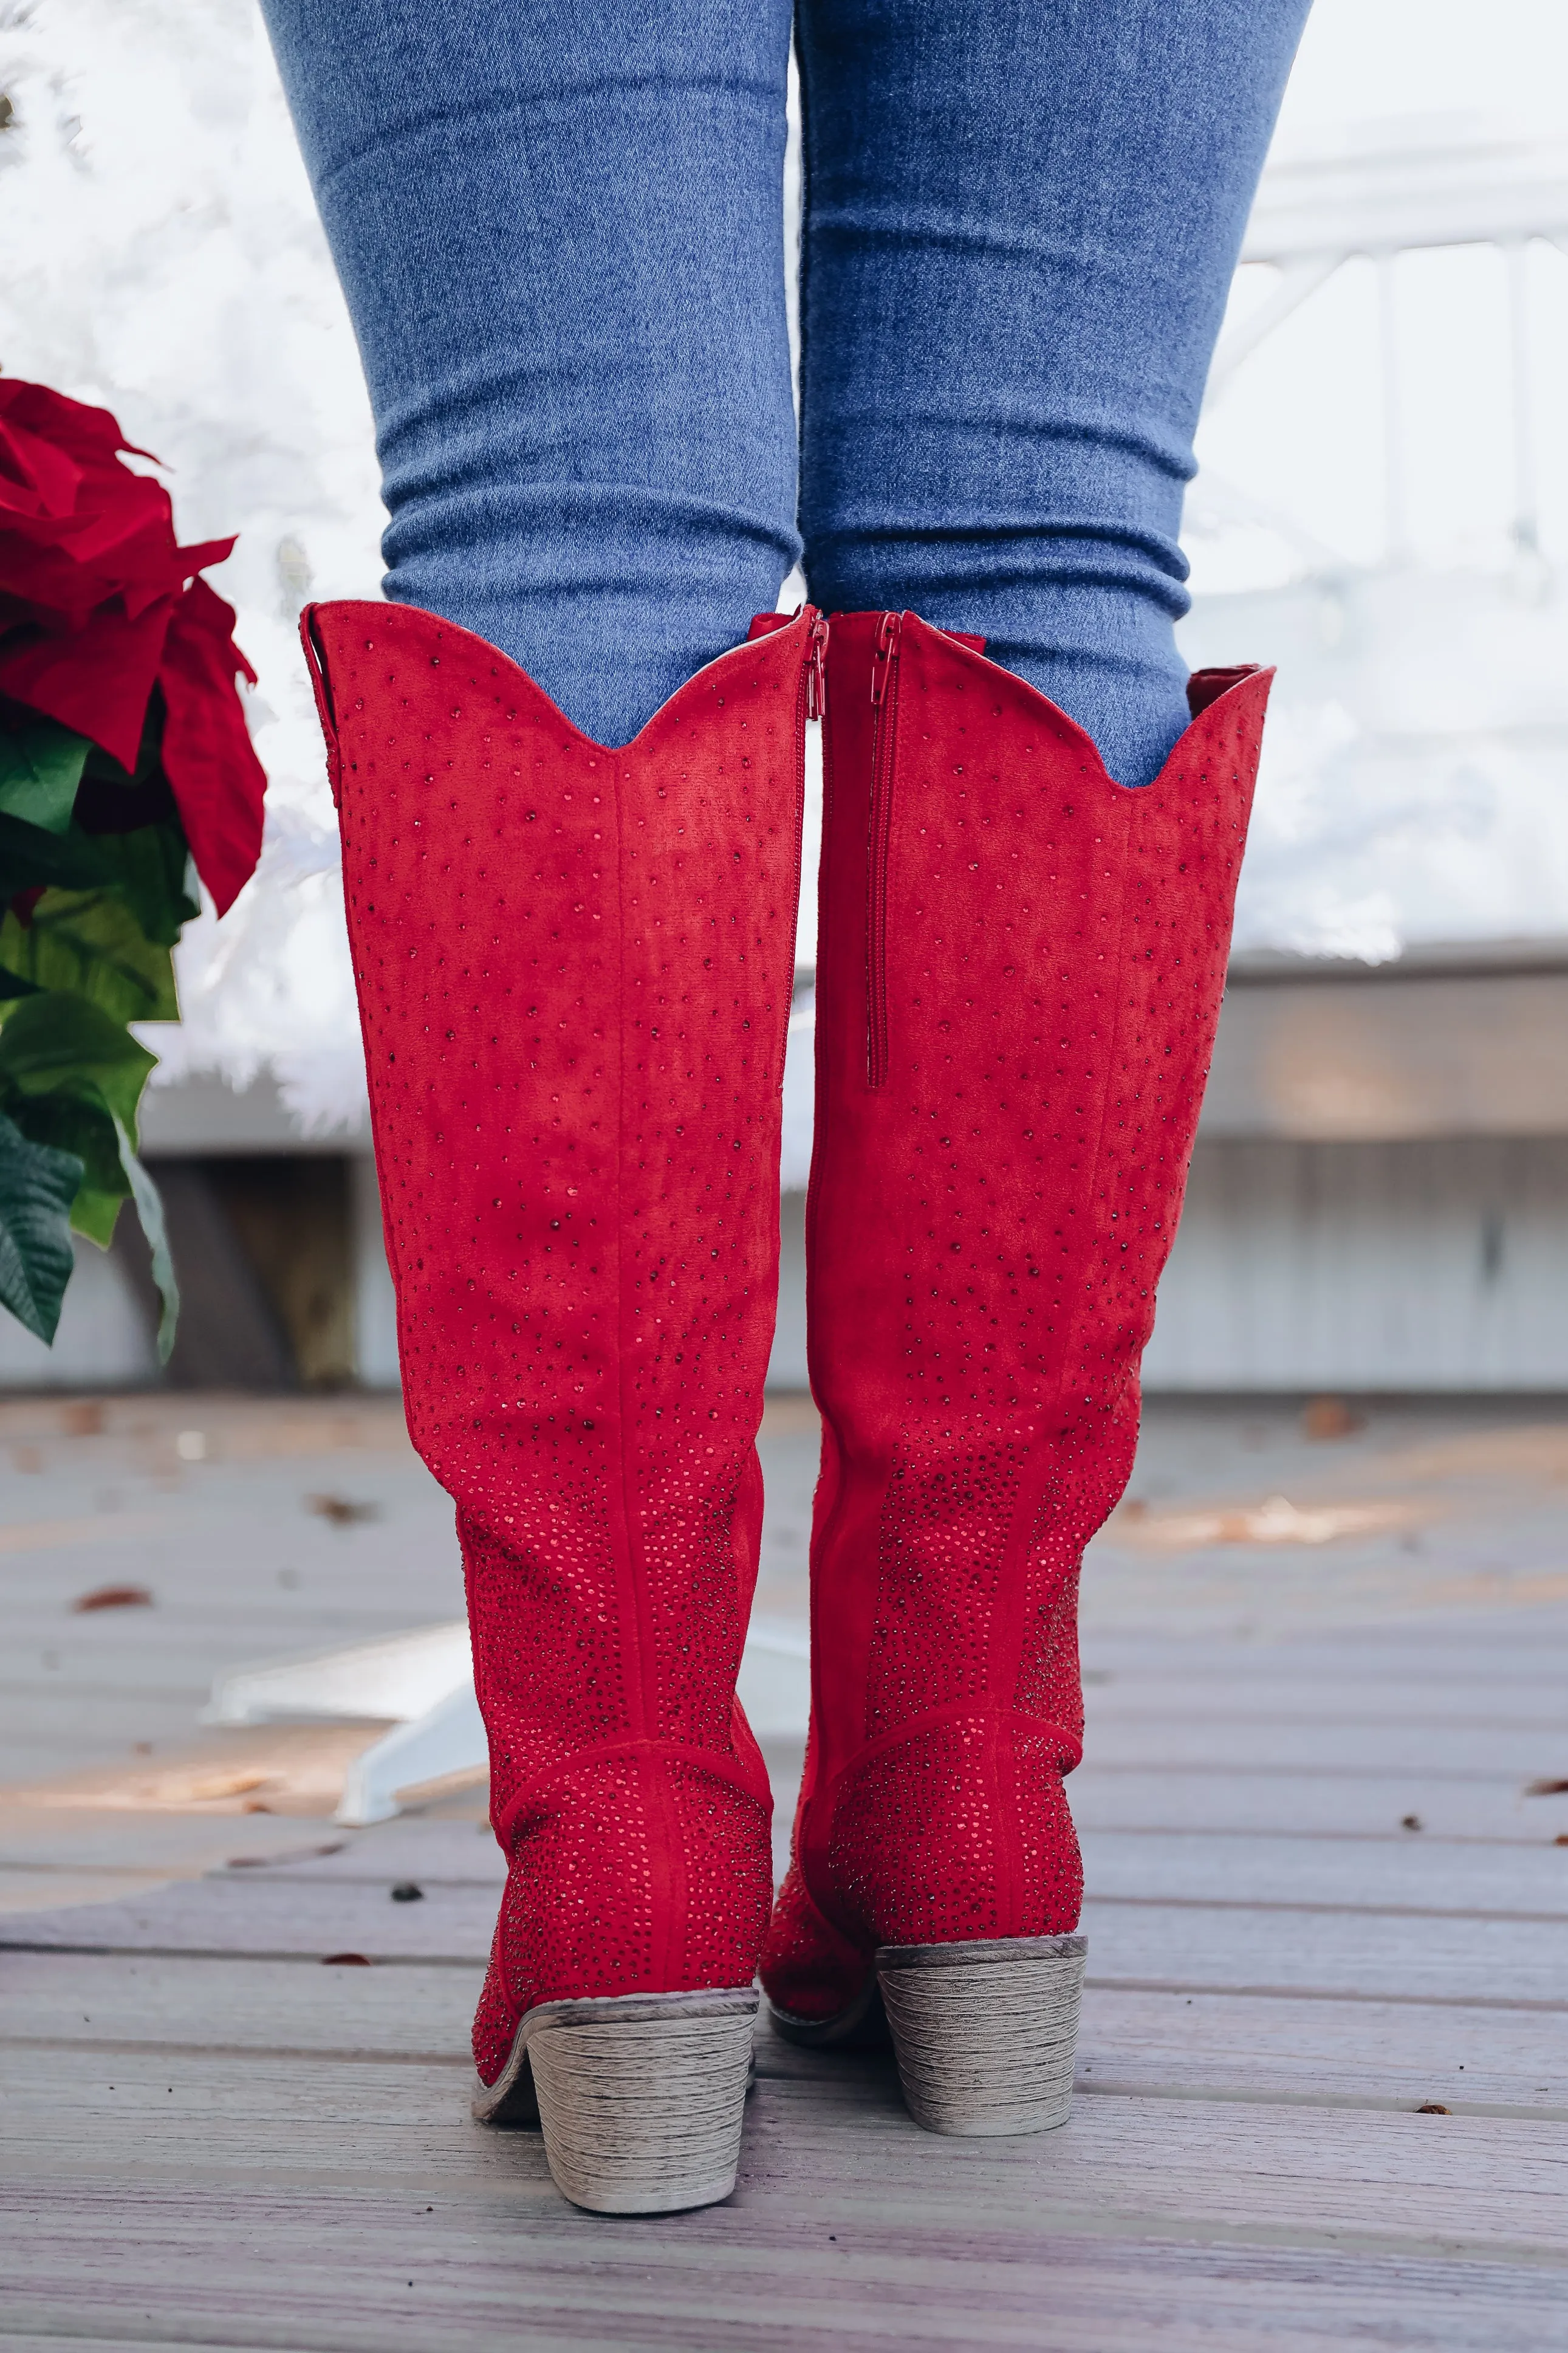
[(107, 2000), (1222, 1798), (1384, 1955), (352, 2273), (1466, 2185), (1244, 2172), (1267, 1743), (1377, 1872), (1172, 2045), (1407, 1869), (236, 1914), (1322, 2053), (1322, 1696)]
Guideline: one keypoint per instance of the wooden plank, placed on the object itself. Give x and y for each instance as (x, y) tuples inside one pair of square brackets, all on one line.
[(1429, 1948), (146, 1652), (64, 1726), (26, 1891), (265, 1527), (1322, 2053), (27, 2343), (1472, 1656), (351, 2273), (1408, 1870), (291, 1588), (233, 1915), (1381, 1955), (1292, 2175), (1242, 2171), (1265, 1743), (1452, 1875), (430, 1853), (174, 2003), (1253, 1593), (1218, 2046), (1324, 1697), (1325, 1802), (176, 1843), (1287, 2173), (277, 1770)]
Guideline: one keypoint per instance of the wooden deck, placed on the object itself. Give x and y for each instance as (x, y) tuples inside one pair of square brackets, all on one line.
[(216, 2137)]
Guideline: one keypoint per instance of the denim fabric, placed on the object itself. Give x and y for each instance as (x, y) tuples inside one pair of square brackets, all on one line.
[(560, 232)]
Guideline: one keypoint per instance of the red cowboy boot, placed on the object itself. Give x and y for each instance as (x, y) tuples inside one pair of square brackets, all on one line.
[(1020, 972), (574, 968)]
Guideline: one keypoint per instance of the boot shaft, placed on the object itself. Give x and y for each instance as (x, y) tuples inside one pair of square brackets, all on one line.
[(574, 967), (1019, 974)]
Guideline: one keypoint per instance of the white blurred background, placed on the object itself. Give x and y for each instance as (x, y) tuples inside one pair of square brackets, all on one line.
[(1382, 509)]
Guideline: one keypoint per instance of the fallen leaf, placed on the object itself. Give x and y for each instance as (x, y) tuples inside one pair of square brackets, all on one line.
[(344, 1961), (340, 1511), (1546, 1789), (1410, 1823), (114, 1596), (1433, 2108), (281, 1769), (290, 1854), (406, 1892), (1330, 1417), (225, 1785), (1276, 1520)]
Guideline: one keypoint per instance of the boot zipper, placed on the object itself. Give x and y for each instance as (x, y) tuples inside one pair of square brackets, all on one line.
[(884, 726), (813, 705), (816, 671)]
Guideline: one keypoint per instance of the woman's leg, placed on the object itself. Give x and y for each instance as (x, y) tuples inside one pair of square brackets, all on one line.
[(560, 237), (1021, 225), (560, 233), (1022, 217)]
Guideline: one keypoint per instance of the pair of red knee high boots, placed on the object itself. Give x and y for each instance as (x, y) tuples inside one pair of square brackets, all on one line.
[(574, 968)]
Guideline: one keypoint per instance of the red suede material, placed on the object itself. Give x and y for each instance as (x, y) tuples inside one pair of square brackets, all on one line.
[(1001, 1152), (574, 968)]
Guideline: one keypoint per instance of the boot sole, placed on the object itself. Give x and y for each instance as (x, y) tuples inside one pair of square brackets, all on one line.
[(640, 2097), (984, 2033)]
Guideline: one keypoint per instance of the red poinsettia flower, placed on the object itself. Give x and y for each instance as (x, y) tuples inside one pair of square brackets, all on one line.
[(99, 605)]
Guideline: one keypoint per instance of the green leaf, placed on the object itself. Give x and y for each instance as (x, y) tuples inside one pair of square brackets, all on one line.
[(41, 766), (72, 860), (36, 1187), (151, 870), (90, 943), (148, 867), (95, 1213), (83, 1126), (150, 1210), (60, 1044)]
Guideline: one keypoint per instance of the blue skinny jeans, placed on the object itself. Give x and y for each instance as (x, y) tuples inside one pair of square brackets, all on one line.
[(561, 236)]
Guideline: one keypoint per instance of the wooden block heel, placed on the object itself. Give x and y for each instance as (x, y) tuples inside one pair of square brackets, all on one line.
[(985, 2034), (640, 2097)]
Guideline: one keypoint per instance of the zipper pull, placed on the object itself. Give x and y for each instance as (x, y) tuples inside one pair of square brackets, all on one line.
[(816, 669), (886, 647)]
